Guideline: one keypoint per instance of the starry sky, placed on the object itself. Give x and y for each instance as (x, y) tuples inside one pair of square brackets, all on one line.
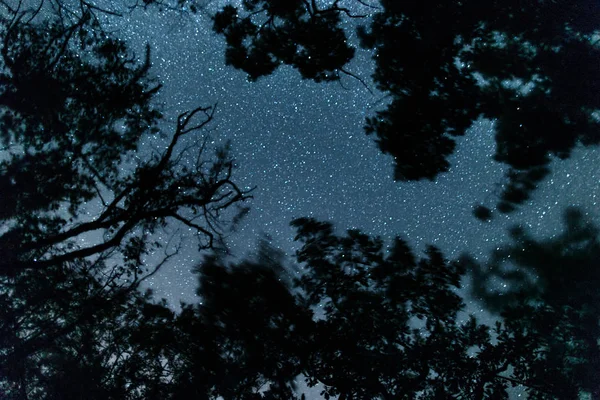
[(303, 147)]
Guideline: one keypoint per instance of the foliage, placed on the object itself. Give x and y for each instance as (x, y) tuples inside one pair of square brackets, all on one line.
[(73, 144), (550, 305), (80, 210), (296, 33), (388, 327)]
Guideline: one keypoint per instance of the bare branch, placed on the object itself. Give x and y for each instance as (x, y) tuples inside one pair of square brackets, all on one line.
[(369, 5), (197, 227), (102, 10), (358, 78), (136, 283)]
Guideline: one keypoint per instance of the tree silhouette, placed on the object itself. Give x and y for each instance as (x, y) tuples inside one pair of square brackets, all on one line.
[(389, 327), (80, 209), (550, 306), (362, 321), (66, 146), (532, 67), (255, 327), (365, 322), (296, 33)]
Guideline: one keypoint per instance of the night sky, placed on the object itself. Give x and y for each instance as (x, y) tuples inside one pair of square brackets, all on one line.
[(303, 146)]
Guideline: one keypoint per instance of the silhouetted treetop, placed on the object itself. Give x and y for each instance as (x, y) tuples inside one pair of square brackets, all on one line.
[(387, 320), (71, 114), (74, 103), (361, 320), (274, 32), (81, 211), (550, 305), (560, 270), (445, 65)]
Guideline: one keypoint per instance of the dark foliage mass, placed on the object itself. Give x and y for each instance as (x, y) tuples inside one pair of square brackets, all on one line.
[(284, 32), (531, 66), (361, 320), (80, 214), (74, 106), (551, 304), (79, 209)]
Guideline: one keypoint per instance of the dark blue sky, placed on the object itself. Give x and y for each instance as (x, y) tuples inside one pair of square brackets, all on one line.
[(302, 145)]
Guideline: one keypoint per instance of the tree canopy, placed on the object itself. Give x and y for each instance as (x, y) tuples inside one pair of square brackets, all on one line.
[(550, 305), (361, 320), (82, 210), (79, 209)]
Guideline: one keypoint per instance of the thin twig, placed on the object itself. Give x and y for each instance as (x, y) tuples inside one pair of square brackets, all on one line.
[(357, 78)]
